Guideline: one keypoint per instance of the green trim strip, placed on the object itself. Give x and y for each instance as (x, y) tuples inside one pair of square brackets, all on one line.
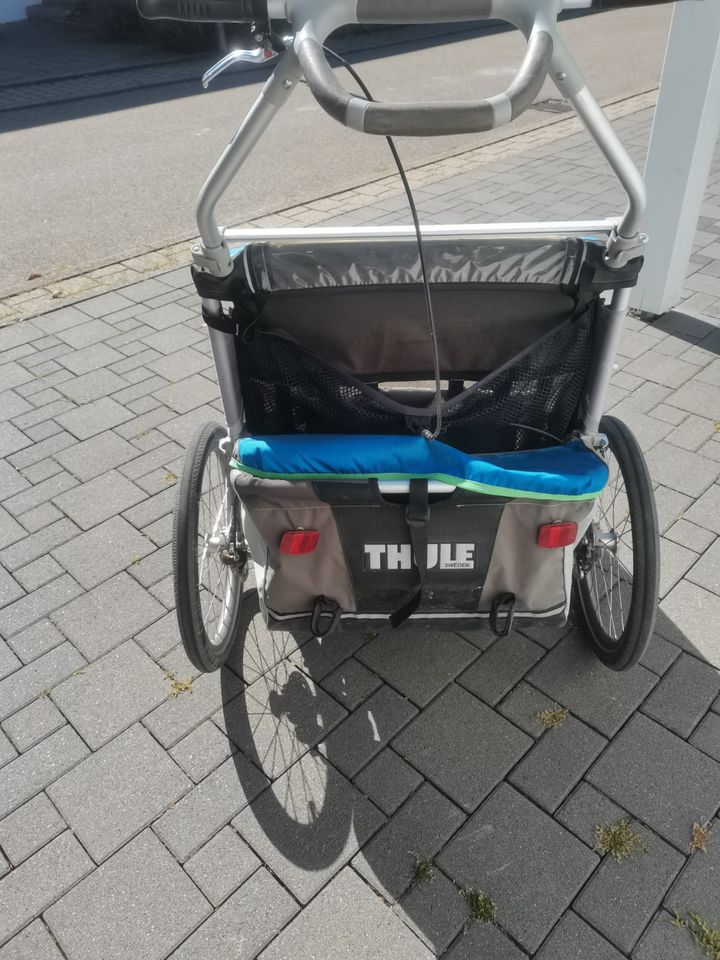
[(471, 485)]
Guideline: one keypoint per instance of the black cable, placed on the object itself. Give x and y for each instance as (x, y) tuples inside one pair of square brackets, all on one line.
[(428, 434)]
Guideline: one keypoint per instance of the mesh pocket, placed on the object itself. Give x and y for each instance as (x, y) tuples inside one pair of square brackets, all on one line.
[(525, 404)]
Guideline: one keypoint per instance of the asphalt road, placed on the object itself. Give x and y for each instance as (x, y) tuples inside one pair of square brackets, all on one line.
[(91, 182)]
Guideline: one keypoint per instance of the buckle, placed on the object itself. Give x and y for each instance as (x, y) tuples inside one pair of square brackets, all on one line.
[(502, 606), (325, 609)]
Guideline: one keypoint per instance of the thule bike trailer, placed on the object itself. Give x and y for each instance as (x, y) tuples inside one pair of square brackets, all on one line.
[(415, 425)]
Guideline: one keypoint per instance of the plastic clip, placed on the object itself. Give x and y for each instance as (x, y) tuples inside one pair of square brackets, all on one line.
[(325, 617)]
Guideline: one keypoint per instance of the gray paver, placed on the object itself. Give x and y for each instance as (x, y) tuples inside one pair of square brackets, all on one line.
[(164, 908), (318, 659), (160, 637), (24, 612), (705, 512), (99, 499), (660, 655), (34, 642), (244, 925), (351, 683), (39, 544), (434, 911), (682, 470), (11, 439), (421, 827), (308, 825), (696, 889), (93, 418), (102, 552), (188, 394), (112, 693), (116, 792), (620, 899), (90, 458), (418, 663), (354, 923), (33, 723), (664, 941), (572, 938), (551, 769), (23, 686), (461, 745), (10, 529), (707, 736), (222, 865), (29, 828), (110, 613), (706, 572), (7, 750), (658, 778), (187, 825), (388, 780), (483, 941), (684, 695), (9, 663), (688, 617), (10, 589), (173, 719), (11, 481), (525, 861), (603, 698), (38, 882), (587, 809), (261, 649), (202, 751), (498, 670), (366, 731), (34, 770), (34, 942), (38, 573), (522, 706)]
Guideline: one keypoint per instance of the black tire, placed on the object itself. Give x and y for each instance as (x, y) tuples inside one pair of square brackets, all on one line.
[(617, 610), (206, 469)]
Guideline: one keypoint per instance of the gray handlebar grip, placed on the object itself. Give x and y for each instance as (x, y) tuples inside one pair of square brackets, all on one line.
[(426, 119), (198, 11)]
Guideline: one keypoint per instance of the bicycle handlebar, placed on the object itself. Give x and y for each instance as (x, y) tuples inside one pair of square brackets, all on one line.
[(203, 11)]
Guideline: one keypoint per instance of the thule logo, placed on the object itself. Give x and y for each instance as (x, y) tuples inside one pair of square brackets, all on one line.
[(440, 556)]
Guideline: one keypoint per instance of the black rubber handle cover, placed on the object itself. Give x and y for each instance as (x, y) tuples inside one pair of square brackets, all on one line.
[(201, 11), (622, 4)]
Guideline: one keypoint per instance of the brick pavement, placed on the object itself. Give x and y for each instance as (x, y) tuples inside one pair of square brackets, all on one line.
[(282, 817)]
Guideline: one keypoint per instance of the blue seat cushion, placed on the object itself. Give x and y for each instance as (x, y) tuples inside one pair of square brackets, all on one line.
[(569, 471)]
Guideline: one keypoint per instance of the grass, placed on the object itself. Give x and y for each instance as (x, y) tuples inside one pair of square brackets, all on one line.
[(619, 841), (424, 871), (553, 717), (701, 833), (370, 635), (707, 938), (480, 906), (178, 686)]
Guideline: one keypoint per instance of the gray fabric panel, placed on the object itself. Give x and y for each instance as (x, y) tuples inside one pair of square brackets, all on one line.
[(529, 81), (293, 584), (385, 332), (422, 11), (307, 265), (538, 577)]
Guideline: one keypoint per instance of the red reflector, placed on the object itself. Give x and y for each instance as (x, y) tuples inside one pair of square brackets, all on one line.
[(554, 535), (296, 542)]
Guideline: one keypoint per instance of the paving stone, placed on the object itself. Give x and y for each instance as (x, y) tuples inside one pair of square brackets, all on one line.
[(207, 807), (38, 544), (670, 506), (688, 617), (462, 746), (664, 941), (480, 636), (31, 644), (93, 457), (177, 366), (42, 674), (576, 679), (116, 792), (526, 862), (419, 663), (11, 481), (501, 668), (85, 334), (556, 763), (152, 508), (37, 573), (434, 911), (164, 908), (706, 572), (707, 736), (202, 751), (111, 694), (58, 320), (522, 706), (10, 529), (91, 386), (420, 828), (586, 809), (620, 899), (279, 718), (483, 941), (188, 394), (684, 695), (244, 925), (658, 778), (9, 663), (38, 882), (33, 723), (102, 552), (388, 781), (46, 513), (705, 512), (38, 767), (351, 683), (29, 828), (660, 655), (7, 750), (94, 418), (675, 561), (161, 637), (105, 616), (696, 397), (34, 943), (667, 371), (153, 567), (172, 720), (98, 499), (692, 433), (572, 938), (682, 470), (318, 659), (696, 889), (94, 357), (10, 589), (367, 730), (12, 440), (222, 865)]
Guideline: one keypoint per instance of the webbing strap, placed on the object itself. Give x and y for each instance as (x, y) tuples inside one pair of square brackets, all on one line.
[(417, 516)]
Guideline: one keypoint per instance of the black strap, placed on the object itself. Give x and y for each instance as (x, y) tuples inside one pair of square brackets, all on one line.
[(417, 516), (325, 617)]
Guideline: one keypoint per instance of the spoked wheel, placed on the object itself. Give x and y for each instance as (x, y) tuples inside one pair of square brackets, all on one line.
[(617, 564), (210, 557)]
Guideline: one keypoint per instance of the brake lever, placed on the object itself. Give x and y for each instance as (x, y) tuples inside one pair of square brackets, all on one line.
[(258, 56)]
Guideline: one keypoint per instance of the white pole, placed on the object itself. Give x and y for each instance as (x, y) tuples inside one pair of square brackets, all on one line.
[(681, 151)]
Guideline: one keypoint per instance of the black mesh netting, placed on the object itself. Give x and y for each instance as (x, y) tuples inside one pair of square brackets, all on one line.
[(522, 406)]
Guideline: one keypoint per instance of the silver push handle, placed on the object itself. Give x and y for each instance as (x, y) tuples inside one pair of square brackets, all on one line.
[(428, 118)]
